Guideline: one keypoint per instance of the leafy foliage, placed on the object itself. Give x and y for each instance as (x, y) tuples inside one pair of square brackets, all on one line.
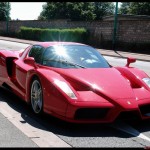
[(135, 8), (76, 10), (124, 9), (103, 9), (4, 8)]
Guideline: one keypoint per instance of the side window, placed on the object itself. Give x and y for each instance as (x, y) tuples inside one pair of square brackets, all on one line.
[(36, 52), (49, 54), (50, 58)]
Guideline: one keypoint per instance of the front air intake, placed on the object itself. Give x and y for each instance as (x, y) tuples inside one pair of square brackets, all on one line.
[(129, 115), (91, 113), (145, 109)]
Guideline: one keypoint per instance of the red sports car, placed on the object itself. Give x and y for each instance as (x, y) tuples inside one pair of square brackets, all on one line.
[(73, 82)]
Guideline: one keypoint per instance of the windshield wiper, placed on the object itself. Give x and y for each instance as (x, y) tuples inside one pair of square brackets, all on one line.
[(66, 62)]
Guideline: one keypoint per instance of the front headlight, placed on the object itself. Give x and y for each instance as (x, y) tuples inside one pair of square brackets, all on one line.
[(65, 88), (147, 81)]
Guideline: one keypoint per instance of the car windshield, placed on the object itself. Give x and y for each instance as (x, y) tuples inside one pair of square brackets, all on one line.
[(73, 56)]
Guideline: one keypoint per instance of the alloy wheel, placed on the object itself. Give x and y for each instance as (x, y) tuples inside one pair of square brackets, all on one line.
[(36, 97)]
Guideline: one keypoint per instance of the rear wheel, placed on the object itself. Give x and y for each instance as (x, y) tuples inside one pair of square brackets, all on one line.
[(36, 96)]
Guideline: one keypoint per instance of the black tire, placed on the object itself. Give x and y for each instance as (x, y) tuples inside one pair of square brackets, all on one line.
[(36, 96)]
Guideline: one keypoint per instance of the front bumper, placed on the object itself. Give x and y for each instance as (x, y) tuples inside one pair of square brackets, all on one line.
[(83, 112)]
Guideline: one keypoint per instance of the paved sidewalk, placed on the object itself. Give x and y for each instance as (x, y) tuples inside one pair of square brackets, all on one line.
[(142, 57), (10, 136)]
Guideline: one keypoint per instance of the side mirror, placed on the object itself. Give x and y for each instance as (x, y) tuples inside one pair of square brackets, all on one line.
[(130, 60), (29, 61)]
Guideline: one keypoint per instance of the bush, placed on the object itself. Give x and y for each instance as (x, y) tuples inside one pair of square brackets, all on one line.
[(73, 35)]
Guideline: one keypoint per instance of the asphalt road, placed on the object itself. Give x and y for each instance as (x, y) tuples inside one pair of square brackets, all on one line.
[(19, 123)]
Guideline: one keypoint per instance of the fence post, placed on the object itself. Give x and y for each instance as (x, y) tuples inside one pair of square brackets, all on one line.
[(115, 27), (7, 9)]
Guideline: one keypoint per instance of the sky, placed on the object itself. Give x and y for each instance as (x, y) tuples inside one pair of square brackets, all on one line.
[(25, 10)]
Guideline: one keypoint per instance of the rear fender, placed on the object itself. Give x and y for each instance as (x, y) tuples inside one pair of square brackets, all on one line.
[(10, 66), (7, 62), (8, 53)]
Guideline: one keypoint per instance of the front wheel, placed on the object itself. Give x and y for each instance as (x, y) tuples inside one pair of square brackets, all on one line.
[(36, 96)]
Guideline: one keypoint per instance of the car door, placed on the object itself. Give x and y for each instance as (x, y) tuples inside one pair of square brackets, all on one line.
[(22, 68)]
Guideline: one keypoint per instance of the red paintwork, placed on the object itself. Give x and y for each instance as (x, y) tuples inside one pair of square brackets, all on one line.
[(118, 88)]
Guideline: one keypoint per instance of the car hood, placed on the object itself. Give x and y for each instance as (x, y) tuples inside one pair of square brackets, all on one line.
[(104, 81)]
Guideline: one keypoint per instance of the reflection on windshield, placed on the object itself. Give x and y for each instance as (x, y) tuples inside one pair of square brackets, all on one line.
[(74, 56)]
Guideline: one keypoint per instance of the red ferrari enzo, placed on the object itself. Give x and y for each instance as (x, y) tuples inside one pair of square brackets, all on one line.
[(73, 82)]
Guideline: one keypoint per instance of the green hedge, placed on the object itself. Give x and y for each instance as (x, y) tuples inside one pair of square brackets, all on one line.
[(75, 35)]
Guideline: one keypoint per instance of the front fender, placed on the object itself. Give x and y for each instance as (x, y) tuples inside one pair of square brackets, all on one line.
[(54, 99), (134, 75)]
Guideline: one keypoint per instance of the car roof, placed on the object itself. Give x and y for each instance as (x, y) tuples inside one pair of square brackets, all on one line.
[(47, 44)]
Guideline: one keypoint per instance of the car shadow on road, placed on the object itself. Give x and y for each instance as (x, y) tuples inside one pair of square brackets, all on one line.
[(62, 128)]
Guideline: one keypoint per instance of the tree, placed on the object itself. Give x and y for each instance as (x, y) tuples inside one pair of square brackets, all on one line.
[(103, 9), (67, 10), (4, 8), (139, 8), (80, 11), (53, 10), (135, 8), (124, 9), (76, 10)]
